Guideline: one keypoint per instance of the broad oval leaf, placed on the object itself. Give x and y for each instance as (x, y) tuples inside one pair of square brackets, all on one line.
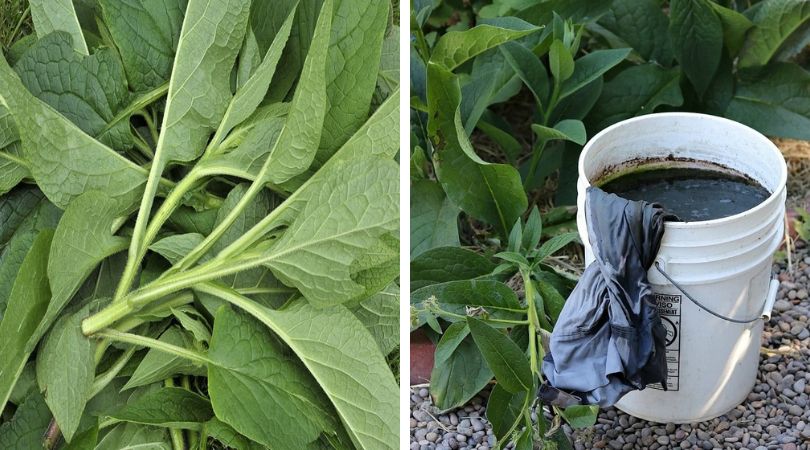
[(456, 47), (776, 24), (444, 264), (434, 220), (58, 15), (259, 389), (457, 354), (504, 358), (697, 37), (170, 407)]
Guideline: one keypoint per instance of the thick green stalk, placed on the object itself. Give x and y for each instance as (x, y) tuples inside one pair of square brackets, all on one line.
[(534, 324), (178, 442), (143, 341), (104, 379)]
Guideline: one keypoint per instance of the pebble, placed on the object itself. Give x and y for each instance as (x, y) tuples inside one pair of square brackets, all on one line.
[(775, 415)]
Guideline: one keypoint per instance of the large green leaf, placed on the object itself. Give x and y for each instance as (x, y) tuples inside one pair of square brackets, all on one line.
[(79, 246), (24, 431), (590, 67), (88, 90), (494, 299), (444, 264), (250, 95), (297, 145), (506, 360), (26, 304), (635, 91), (345, 361), (259, 389), (345, 217), (145, 33), (456, 47), (352, 65), (735, 25), (433, 218), (779, 28), (66, 369), (65, 162), (12, 163), (199, 90), (380, 315), (23, 214), (491, 192), (58, 15), (157, 366), (529, 68), (776, 105), (459, 371), (504, 409), (643, 25), (167, 407), (697, 37), (133, 436)]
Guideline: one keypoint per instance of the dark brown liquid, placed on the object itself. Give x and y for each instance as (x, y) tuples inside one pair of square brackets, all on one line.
[(689, 193)]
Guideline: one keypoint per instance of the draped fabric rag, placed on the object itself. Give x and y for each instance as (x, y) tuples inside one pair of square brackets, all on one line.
[(609, 339)]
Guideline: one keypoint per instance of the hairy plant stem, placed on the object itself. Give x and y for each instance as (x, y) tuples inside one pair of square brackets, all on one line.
[(178, 442), (106, 378), (140, 103), (143, 341), (170, 204), (445, 313), (533, 322)]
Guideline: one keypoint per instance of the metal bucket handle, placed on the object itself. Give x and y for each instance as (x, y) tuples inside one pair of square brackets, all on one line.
[(766, 310)]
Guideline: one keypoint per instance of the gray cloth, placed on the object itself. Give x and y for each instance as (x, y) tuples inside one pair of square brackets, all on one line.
[(609, 339)]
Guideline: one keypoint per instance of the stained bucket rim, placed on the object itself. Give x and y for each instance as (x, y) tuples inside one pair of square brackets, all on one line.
[(775, 194)]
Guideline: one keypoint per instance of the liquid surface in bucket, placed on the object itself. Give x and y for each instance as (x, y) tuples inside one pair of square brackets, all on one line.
[(692, 194)]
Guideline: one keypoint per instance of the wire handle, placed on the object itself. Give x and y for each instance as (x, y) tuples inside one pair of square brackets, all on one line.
[(692, 299)]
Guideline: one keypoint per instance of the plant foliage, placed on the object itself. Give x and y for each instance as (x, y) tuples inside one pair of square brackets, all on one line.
[(199, 226)]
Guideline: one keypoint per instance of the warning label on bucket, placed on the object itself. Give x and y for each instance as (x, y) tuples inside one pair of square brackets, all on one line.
[(669, 308)]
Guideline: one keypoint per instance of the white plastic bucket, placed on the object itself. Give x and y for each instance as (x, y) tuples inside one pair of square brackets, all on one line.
[(725, 263)]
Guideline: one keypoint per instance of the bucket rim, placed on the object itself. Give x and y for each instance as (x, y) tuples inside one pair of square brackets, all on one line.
[(726, 122)]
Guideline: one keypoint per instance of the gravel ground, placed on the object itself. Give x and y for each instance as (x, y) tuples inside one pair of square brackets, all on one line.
[(776, 414)]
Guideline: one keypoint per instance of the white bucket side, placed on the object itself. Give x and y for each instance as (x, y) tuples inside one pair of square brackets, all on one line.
[(725, 263)]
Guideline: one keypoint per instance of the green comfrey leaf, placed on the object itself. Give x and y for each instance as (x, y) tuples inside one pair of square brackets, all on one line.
[(735, 25), (66, 370), (380, 315), (65, 162), (145, 33), (444, 264), (554, 244), (529, 68), (347, 215), (27, 303), (560, 61), (504, 358), (504, 409), (361, 386), (635, 91), (456, 47), (167, 407), (226, 435), (434, 220), (157, 365), (259, 389), (176, 246), (590, 67), (24, 430), (777, 104), (456, 353), (643, 25), (58, 15), (697, 37), (79, 246), (88, 90), (491, 298), (358, 31), (580, 416), (780, 30), (491, 192), (567, 130), (133, 436)]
